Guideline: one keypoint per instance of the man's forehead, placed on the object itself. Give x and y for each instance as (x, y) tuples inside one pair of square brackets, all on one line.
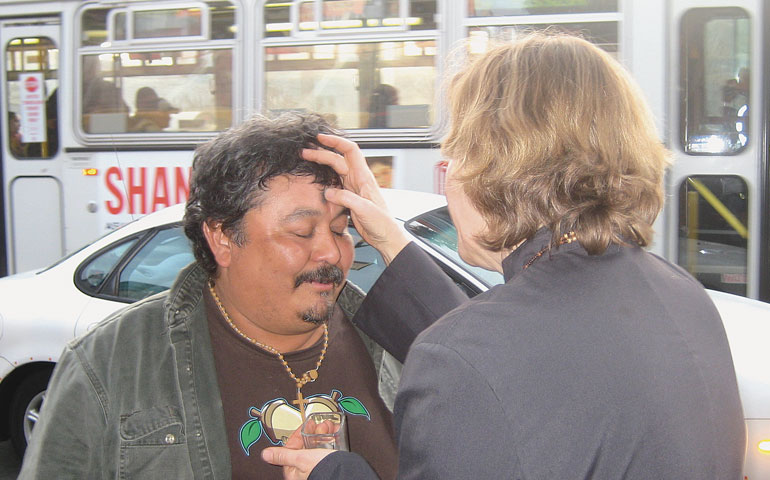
[(304, 212), (293, 197)]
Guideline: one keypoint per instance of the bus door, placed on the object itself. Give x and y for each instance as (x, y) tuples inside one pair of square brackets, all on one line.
[(32, 192), (714, 187)]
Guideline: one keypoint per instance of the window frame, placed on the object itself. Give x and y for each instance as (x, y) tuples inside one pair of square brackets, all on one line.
[(55, 76), (708, 13), (157, 45), (132, 11), (359, 36), (713, 245)]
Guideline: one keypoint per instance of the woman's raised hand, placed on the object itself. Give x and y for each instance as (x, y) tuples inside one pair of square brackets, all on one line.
[(360, 194)]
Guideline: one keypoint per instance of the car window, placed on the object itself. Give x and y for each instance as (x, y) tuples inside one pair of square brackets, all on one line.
[(436, 229), (156, 265), (368, 264), (95, 272)]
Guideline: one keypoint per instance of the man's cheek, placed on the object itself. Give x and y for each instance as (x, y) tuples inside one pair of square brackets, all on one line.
[(348, 253)]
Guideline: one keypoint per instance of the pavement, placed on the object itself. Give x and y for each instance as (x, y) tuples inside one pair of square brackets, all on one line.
[(9, 462)]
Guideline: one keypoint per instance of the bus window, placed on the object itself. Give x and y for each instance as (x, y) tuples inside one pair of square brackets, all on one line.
[(188, 91), (169, 22), (344, 15), (716, 65), (134, 80), (32, 79), (380, 76), (357, 85), (602, 34), (102, 98), (713, 214), (277, 18), (491, 8)]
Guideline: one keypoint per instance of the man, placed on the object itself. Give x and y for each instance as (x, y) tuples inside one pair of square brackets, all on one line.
[(195, 382), (153, 113)]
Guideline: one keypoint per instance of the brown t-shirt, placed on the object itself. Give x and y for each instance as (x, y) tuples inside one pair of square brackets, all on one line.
[(257, 395)]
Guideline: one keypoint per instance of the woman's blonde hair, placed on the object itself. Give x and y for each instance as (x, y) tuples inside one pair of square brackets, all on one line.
[(550, 131)]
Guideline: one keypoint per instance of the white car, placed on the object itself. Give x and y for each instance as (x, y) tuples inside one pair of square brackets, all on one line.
[(41, 311)]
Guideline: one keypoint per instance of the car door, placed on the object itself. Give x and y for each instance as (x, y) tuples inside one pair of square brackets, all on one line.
[(130, 270)]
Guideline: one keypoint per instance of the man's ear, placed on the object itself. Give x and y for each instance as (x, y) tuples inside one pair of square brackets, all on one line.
[(219, 243)]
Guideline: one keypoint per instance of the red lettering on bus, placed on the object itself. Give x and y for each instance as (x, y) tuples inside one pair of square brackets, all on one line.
[(160, 190), (114, 208), (134, 189), (131, 184), (182, 183)]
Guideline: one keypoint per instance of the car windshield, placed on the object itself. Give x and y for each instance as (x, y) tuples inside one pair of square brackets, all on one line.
[(435, 228)]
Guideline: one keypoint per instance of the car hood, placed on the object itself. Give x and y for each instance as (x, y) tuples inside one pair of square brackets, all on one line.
[(747, 325), (39, 305)]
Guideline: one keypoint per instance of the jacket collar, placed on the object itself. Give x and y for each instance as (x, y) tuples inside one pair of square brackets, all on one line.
[(185, 294), (514, 263)]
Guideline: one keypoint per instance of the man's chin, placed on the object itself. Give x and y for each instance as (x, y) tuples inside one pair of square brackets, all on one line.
[(318, 314)]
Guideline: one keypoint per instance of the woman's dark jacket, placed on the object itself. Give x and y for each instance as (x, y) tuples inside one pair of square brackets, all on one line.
[(608, 366)]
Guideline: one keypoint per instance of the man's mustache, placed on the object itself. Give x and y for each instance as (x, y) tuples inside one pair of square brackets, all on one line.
[(324, 274)]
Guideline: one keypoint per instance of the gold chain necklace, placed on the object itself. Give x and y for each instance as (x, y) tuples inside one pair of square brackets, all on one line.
[(568, 237), (307, 377)]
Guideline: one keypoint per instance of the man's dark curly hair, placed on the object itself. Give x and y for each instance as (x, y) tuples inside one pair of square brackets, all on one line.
[(231, 174)]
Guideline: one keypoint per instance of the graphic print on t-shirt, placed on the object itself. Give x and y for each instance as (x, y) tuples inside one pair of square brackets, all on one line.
[(278, 418)]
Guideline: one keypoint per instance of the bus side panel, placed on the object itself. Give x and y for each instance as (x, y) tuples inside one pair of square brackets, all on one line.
[(36, 242), (117, 187)]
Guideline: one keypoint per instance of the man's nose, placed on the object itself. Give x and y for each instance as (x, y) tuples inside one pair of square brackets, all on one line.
[(327, 248)]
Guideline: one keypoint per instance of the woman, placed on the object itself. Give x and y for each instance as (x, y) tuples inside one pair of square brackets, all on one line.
[(595, 359)]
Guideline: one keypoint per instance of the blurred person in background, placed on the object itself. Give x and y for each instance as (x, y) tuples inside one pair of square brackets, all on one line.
[(14, 135), (153, 113), (383, 96)]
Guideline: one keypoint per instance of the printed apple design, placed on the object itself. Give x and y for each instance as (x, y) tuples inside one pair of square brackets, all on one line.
[(280, 419), (277, 419)]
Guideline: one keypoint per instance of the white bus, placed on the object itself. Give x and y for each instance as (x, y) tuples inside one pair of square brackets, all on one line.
[(83, 152)]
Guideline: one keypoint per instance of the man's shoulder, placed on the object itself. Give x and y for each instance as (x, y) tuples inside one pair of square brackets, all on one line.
[(135, 321), (350, 299)]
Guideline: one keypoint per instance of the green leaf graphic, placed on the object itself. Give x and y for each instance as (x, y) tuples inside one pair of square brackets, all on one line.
[(250, 433), (353, 406)]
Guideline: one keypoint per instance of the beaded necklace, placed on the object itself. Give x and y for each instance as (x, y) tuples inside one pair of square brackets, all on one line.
[(568, 237), (307, 377)]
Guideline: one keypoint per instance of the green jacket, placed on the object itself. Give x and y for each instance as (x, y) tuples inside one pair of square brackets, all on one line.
[(137, 397)]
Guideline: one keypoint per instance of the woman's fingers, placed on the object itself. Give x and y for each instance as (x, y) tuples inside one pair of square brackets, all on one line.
[(297, 463), (341, 144), (295, 440), (358, 205), (361, 194), (326, 157), (349, 157), (347, 160), (372, 221)]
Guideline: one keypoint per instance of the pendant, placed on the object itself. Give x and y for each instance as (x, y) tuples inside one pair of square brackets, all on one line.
[(301, 402)]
